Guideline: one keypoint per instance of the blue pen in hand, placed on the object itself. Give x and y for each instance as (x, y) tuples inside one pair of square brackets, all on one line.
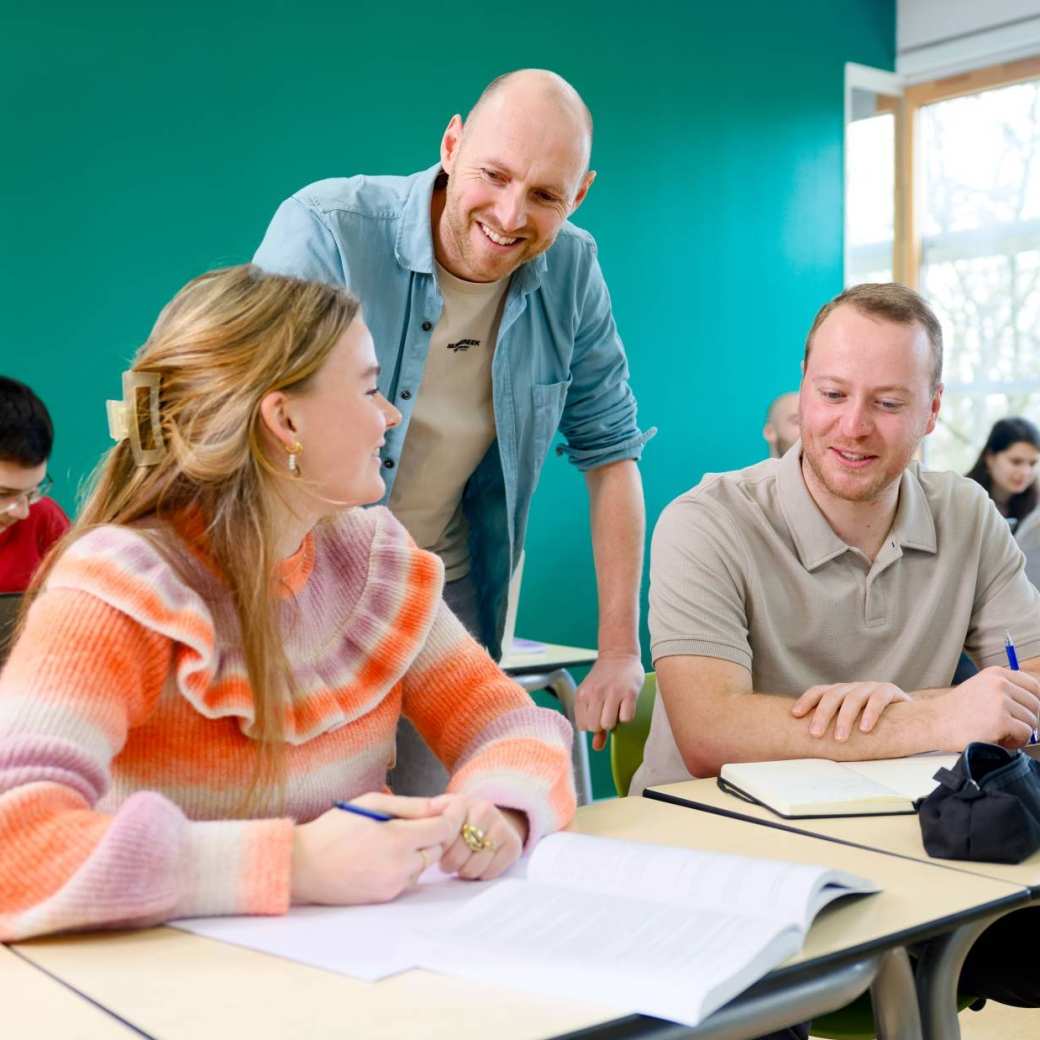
[(1012, 656), (370, 814)]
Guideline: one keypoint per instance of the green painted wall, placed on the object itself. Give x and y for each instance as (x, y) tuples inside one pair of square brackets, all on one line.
[(145, 143)]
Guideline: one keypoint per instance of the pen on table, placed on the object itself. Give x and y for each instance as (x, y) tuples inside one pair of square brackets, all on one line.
[(371, 814), (1012, 656)]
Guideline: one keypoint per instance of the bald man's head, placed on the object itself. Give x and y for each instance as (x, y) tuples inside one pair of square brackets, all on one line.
[(550, 88), (517, 169), (781, 428)]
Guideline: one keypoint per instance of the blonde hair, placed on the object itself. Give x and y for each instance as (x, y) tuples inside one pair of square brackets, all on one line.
[(225, 341)]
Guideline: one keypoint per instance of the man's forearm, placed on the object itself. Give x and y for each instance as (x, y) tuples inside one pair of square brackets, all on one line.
[(618, 519), (759, 727)]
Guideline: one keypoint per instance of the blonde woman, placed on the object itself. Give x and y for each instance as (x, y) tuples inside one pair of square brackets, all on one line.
[(221, 647)]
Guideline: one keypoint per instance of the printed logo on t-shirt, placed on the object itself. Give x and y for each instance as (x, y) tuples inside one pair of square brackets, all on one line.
[(463, 344)]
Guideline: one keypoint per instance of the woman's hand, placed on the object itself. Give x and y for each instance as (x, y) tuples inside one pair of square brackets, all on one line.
[(341, 858), (502, 832)]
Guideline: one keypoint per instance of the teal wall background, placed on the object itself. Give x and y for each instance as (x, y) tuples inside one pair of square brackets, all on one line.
[(146, 143)]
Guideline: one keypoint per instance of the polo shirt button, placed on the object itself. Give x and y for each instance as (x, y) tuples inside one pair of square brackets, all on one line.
[(406, 395), (426, 326), (388, 463)]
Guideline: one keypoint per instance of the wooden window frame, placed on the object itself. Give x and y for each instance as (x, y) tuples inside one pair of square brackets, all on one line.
[(906, 251)]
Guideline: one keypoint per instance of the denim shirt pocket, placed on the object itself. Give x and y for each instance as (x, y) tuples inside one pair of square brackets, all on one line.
[(549, 401)]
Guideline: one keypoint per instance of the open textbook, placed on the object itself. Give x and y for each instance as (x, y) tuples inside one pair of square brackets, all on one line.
[(668, 932), (801, 787)]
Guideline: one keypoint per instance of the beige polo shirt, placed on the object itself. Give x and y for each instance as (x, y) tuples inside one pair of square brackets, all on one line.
[(745, 568), (453, 422)]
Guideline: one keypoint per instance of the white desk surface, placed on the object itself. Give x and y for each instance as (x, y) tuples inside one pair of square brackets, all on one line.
[(898, 835), (174, 985), (553, 656)]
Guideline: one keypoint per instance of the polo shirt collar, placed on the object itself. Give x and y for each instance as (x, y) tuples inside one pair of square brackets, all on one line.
[(814, 538), (414, 245)]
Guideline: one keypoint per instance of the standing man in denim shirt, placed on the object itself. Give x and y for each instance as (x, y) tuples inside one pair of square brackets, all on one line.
[(493, 327)]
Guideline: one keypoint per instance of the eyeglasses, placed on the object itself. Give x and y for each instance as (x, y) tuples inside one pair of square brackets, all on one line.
[(9, 500)]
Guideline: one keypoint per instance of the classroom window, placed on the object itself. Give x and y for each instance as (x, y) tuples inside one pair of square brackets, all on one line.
[(979, 245), (869, 191)]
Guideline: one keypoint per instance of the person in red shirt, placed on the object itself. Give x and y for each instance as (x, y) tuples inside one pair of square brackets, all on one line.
[(30, 523)]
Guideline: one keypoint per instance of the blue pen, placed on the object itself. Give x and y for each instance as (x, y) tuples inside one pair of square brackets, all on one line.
[(1012, 656), (370, 814)]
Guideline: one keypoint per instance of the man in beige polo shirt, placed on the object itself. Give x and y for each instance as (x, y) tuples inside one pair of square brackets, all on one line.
[(817, 604)]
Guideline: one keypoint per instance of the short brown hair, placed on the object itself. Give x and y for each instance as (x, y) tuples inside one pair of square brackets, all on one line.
[(894, 302)]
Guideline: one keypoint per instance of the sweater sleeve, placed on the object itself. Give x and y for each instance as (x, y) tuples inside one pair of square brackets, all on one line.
[(82, 675), (494, 740)]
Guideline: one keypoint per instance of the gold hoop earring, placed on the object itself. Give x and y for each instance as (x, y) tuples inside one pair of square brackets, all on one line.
[(294, 450)]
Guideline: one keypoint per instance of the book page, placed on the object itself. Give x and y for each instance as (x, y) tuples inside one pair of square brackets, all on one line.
[(806, 785), (366, 942), (683, 877), (639, 954), (911, 777)]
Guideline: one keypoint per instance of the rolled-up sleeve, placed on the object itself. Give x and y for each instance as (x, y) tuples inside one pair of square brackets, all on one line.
[(298, 242), (599, 418)]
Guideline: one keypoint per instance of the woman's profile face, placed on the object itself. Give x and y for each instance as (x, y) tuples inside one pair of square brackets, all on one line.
[(1012, 470), (342, 421)]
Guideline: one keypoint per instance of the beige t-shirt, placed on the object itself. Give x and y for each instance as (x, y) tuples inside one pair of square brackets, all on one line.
[(453, 421), (746, 568)]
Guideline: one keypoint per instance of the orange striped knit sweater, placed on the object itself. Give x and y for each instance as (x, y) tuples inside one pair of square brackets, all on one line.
[(125, 721)]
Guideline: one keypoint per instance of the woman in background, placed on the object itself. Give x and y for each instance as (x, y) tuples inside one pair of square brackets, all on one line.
[(222, 646), (1006, 467)]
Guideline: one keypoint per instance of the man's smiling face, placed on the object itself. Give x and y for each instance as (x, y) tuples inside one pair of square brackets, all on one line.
[(865, 403), (515, 173)]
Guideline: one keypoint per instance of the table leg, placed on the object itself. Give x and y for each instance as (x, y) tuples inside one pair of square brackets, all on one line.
[(896, 1013), (939, 965)]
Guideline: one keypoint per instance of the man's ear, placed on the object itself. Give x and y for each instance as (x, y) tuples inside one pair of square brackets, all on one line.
[(583, 190), (770, 435), (275, 414), (450, 142), (934, 407)]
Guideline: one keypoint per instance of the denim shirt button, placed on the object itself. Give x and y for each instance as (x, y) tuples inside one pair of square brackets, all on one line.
[(388, 463), (427, 325), (406, 395)]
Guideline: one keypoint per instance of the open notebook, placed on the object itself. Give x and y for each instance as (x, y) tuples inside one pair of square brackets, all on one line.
[(669, 932), (801, 787)]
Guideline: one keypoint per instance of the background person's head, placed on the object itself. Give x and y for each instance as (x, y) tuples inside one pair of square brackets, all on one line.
[(26, 439), (1006, 466), (517, 169), (781, 428), (871, 388)]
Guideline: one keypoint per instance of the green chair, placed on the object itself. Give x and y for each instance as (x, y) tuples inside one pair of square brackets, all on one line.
[(855, 1021), (627, 739)]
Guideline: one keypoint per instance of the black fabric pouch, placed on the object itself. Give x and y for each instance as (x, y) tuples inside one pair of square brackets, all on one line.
[(987, 807)]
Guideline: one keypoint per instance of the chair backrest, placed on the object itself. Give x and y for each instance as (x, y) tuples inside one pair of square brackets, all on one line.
[(627, 738), (10, 602)]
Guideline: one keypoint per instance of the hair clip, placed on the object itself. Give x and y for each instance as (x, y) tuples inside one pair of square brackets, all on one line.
[(124, 417)]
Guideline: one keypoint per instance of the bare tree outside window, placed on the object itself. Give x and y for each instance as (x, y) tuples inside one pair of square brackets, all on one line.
[(980, 260)]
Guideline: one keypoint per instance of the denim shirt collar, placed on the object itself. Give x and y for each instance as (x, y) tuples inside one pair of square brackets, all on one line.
[(413, 247)]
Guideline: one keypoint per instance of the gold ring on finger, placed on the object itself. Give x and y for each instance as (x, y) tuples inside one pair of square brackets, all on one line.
[(476, 839)]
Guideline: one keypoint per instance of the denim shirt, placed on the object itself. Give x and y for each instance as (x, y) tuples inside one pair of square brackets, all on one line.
[(558, 363)]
